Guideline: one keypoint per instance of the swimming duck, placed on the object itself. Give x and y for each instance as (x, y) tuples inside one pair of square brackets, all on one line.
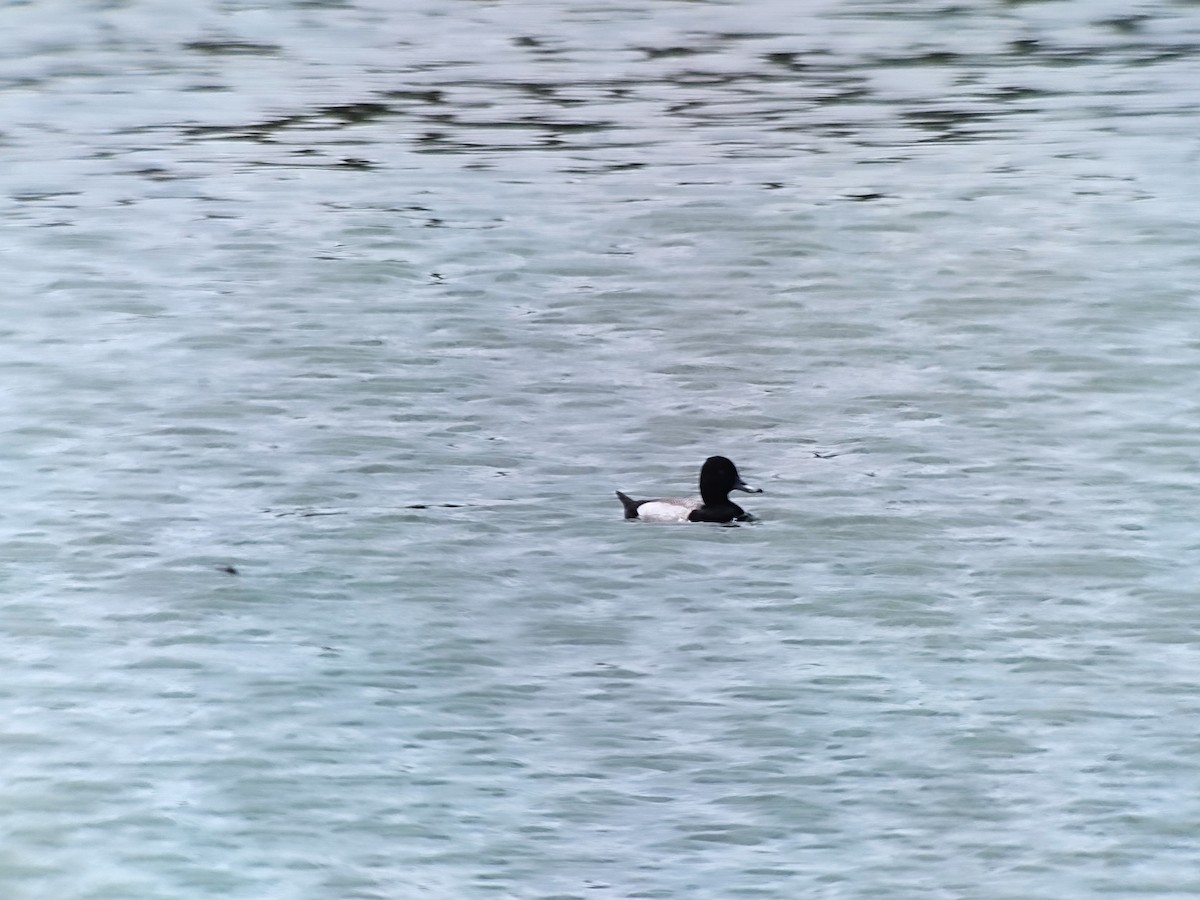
[(718, 476)]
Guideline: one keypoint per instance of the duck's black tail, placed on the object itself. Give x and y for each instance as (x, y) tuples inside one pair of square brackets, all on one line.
[(631, 506)]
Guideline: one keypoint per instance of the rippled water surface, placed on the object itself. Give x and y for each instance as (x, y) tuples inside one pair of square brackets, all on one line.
[(331, 327)]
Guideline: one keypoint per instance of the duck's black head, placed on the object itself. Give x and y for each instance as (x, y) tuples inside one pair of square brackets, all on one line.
[(719, 476)]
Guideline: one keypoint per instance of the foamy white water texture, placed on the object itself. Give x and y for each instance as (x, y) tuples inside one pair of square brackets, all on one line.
[(283, 278)]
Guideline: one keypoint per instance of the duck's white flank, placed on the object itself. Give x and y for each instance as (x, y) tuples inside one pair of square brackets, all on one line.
[(666, 510)]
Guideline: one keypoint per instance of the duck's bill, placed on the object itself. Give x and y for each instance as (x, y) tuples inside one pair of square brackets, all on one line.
[(742, 486)]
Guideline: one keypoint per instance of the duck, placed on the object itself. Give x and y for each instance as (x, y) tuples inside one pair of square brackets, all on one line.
[(718, 476)]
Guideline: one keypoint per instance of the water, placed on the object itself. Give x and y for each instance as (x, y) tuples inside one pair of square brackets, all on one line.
[(276, 274)]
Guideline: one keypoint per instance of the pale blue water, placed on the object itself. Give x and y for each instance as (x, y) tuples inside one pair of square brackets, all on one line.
[(275, 274)]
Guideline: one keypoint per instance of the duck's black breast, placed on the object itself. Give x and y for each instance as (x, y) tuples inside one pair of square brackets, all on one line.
[(717, 512)]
